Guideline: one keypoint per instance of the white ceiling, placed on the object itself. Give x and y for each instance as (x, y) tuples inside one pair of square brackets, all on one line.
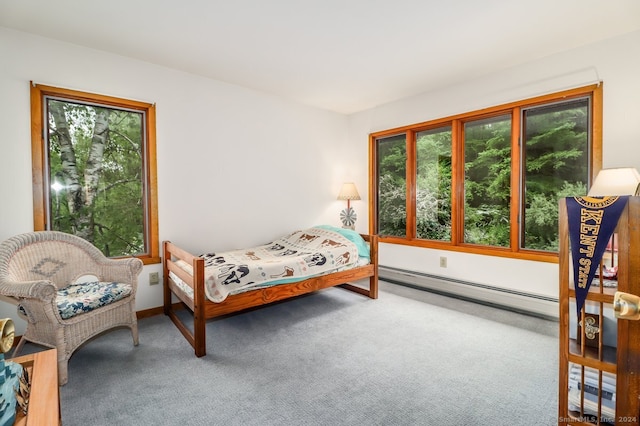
[(339, 55)]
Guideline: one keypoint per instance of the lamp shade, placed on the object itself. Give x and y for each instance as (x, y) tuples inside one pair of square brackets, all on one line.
[(616, 181), (348, 192)]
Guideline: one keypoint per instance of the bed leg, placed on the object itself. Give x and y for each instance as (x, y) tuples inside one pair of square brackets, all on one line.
[(373, 286), (199, 335), (199, 319), (166, 291), (373, 280)]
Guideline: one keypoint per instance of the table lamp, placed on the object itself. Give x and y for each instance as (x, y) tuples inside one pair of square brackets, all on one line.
[(348, 216), (616, 181)]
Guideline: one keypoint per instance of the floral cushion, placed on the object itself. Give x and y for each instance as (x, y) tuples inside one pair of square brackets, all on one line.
[(84, 297)]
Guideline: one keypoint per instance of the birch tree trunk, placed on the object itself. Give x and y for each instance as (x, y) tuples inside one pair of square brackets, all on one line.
[(92, 172), (81, 195), (68, 156)]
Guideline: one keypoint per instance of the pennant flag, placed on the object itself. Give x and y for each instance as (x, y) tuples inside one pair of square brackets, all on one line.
[(592, 221)]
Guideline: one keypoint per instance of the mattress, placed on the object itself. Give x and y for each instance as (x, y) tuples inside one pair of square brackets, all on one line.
[(302, 254)]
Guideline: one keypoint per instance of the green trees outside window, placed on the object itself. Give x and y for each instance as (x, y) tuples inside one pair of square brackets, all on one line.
[(556, 165), (433, 184), (490, 179), (392, 185), (95, 171), (487, 181)]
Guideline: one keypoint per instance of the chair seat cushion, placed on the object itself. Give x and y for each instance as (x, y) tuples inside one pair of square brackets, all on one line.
[(84, 297)]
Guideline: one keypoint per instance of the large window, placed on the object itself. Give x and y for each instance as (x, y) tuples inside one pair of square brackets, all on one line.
[(488, 181), (94, 170)]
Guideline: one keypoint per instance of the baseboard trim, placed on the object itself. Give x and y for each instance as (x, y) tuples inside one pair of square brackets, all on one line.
[(146, 313), (517, 301)]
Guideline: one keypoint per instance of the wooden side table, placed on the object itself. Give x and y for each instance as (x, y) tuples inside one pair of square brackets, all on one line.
[(44, 401)]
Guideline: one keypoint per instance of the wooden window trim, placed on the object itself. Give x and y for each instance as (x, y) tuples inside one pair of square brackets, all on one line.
[(456, 122), (38, 92)]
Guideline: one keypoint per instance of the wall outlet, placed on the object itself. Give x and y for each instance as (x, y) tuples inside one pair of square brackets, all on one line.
[(443, 262), (154, 278)]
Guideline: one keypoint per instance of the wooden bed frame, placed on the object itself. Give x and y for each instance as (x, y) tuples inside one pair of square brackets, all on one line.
[(203, 309)]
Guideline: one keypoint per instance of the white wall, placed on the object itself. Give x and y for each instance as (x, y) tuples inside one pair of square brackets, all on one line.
[(613, 61), (235, 167)]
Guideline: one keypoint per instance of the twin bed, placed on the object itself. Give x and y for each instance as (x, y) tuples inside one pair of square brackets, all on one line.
[(215, 284)]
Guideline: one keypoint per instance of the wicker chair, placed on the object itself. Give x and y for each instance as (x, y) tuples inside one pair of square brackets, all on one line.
[(39, 269)]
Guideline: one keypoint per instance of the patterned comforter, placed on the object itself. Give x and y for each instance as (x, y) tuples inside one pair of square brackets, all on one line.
[(300, 255)]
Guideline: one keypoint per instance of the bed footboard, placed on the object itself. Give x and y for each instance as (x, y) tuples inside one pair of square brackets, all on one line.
[(172, 253), (372, 291)]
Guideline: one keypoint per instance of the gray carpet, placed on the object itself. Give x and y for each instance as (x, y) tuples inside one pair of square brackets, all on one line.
[(331, 358)]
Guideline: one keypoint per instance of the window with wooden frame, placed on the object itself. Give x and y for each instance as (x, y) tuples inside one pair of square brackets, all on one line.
[(94, 170), (487, 181)]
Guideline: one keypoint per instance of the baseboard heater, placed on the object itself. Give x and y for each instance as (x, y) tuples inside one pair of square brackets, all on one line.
[(518, 301)]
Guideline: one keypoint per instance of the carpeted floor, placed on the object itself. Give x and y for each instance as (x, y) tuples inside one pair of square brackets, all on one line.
[(331, 358)]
